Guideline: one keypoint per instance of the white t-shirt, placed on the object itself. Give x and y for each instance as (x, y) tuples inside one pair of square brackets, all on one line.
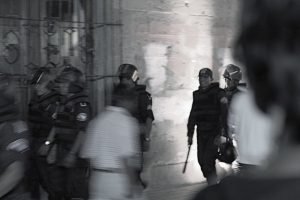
[(111, 136), (251, 129)]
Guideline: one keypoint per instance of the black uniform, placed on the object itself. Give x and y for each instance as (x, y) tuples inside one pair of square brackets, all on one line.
[(14, 146), (73, 116), (144, 111), (41, 115), (207, 114)]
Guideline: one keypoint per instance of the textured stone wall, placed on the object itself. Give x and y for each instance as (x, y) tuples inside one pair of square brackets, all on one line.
[(170, 40)]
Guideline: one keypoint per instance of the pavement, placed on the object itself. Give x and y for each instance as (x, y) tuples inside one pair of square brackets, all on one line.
[(164, 164)]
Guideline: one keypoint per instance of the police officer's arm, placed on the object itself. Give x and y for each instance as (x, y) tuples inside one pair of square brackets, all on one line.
[(224, 112), (233, 117), (78, 142), (147, 99), (192, 119), (50, 114), (148, 127), (83, 115)]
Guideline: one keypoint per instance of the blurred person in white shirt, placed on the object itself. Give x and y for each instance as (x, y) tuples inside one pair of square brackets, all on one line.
[(251, 130), (113, 146)]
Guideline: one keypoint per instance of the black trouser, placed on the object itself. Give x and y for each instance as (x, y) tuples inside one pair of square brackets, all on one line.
[(207, 153), (38, 169), (68, 183)]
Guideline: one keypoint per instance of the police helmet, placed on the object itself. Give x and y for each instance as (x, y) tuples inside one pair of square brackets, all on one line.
[(74, 77), (128, 71), (205, 72), (232, 72), (227, 152)]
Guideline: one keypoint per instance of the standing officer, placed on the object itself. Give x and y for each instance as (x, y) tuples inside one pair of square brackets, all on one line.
[(70, 178), (128, 76), (233, 76), (41, 115), (14, 144), (207, 113)]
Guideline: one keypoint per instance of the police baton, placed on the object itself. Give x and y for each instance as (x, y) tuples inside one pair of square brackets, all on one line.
[(187, 158)]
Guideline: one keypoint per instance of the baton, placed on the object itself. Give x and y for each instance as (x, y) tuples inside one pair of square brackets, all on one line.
[(186, 161)]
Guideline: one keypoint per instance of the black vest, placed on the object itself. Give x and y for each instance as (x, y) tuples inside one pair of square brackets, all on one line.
[(144, 100), (207, 108), (66, 123)]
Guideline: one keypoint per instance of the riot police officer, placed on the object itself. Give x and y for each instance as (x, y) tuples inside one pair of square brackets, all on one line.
[(41, 115), (208, 114), (232, 76), (70, 179), (128, 76), (14, 144)]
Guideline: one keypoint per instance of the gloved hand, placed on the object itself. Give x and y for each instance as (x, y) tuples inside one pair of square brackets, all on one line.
[(44, 149), (190, 140)]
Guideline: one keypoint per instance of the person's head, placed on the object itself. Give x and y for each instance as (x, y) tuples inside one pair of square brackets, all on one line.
[(70, 81), (232, 76), (42, 81), (124, 97), (269, 47), (128, 74), (205, 77)]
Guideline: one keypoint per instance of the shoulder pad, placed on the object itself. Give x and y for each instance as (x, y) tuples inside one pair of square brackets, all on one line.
[(82, 117), (83, 104), (19, 126), (196, 92), (215, 84)]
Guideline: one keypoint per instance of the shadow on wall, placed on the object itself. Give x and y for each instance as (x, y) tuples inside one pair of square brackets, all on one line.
[(222, 32), (154, 59)]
